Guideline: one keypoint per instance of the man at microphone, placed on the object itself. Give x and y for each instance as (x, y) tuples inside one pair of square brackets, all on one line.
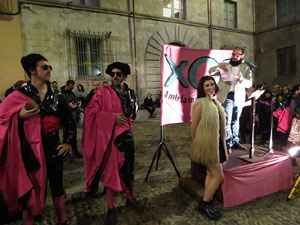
[(234, 78)]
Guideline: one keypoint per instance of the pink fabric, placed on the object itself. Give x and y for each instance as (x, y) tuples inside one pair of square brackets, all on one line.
[(284, 120), (126, 190), (15, 182), (99, 133), (244, 183), (177, 96), (60, 208)]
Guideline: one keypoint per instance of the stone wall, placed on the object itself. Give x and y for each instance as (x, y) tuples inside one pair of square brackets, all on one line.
[(44, 28), (269, 38)]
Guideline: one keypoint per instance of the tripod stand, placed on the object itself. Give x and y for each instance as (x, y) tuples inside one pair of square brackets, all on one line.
[(161, 146)]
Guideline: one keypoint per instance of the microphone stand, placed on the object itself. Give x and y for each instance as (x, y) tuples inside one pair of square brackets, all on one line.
[(270, 150)]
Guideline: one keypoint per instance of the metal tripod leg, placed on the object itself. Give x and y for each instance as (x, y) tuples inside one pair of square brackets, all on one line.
[(295, 188), (170, 158), (156, 155)]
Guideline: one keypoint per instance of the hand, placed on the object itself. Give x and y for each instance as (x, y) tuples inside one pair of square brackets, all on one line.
[(72, 106), (224, 67), (120, 119), (240, 76), (63, 149), (26, 114)]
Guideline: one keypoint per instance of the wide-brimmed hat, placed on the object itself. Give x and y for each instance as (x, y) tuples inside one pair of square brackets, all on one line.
[(124, 67)]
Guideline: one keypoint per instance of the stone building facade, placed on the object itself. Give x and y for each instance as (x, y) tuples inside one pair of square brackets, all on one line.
[(131, 31), (277, 41)]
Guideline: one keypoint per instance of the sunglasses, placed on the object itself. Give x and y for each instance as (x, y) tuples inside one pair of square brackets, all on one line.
[(46, 67), (119, 74), (233, 54)]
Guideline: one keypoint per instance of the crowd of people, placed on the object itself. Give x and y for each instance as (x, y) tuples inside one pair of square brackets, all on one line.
[(32, 153), (33, 113)]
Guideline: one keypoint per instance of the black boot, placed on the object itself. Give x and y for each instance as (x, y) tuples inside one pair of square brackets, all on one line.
[(111, 218), (209, 210)]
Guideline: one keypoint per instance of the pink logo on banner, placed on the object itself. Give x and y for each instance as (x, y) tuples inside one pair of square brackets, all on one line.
[(181, 70)]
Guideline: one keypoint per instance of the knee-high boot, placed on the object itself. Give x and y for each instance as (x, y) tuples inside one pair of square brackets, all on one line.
[(60, 208), (27, 218)]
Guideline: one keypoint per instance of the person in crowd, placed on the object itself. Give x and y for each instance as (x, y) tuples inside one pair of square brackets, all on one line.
[(285, 96), (209, 141), (110, 112), (234, 78), (294, 137), (30, 120), (55, 86), (105, 83), (74, 105), (96, 86), (263, 110), (17, 86), (80, 95), (149, 105)]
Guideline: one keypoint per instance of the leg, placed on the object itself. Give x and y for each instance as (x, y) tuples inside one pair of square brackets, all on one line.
[(111, 218), (228, 107), (213, 179), (27, 218), (236, 113), (55, 176)]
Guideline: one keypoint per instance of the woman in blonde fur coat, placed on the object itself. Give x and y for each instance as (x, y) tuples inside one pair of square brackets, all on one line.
[(209, 145)]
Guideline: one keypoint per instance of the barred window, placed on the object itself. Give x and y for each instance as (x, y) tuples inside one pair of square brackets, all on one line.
[(287, 11), (230, 14), (87, 53), (174, 9), (286, 61)]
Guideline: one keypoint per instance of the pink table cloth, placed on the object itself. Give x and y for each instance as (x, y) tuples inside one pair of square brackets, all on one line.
[(247, 182)]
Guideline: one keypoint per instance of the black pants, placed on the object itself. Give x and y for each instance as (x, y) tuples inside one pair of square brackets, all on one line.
[(150, 110), (54, 163)]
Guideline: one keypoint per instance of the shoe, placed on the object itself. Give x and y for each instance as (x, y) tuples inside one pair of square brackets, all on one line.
[(78, 155), (238, 146), (133, 203), (229, 150), (207, 209), (111, 218)]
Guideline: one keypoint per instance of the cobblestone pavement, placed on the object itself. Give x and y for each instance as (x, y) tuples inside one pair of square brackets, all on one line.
[(161, 200)]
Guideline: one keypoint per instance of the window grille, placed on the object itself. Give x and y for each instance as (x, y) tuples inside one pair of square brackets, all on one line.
[(88, 52), (287, 11), (286, 61), (230, 14)]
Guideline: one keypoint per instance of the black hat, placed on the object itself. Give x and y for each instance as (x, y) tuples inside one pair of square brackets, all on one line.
[(124, 67), (29, 61)]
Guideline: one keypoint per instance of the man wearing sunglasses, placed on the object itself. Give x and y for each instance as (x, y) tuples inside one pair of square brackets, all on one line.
[(30, 120), (108, 146), (235, 77)]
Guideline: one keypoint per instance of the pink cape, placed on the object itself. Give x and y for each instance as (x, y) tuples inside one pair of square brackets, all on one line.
[(99, 133), (14, 180)]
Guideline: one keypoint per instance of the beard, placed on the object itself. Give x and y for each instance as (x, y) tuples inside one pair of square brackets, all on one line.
[(235, 63)]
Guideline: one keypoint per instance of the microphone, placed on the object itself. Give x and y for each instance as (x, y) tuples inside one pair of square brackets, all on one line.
[(251, 65)]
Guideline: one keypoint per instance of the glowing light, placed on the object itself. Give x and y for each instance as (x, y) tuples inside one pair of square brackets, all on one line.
[(292, 151)]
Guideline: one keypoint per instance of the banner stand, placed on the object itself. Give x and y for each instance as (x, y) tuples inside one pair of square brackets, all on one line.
[(161, 146)]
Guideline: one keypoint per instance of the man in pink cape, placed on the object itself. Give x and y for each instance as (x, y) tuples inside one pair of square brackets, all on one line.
[(30, 150), (108, 146)]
